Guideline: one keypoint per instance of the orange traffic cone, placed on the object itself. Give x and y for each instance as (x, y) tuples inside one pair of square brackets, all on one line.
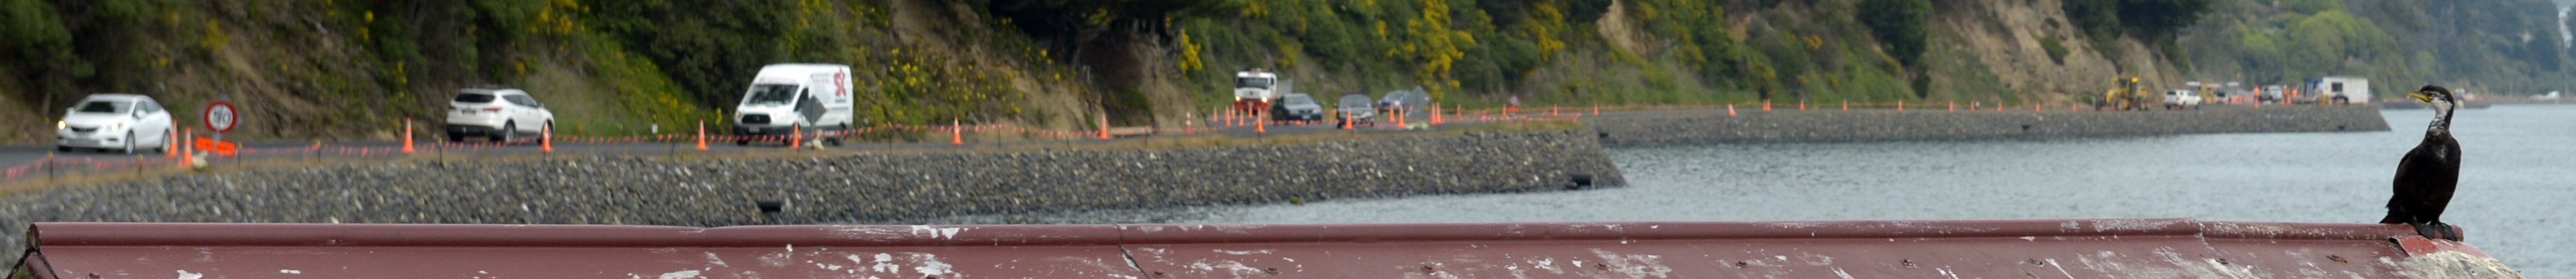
[(702, 135), (956, 132), (1346, 121), (547, 140), (1730, 109), (170, 143), (795, 137), (407, 136), (1435, 114), (187, 155), (1596, 110), (1900, 105), (1260, 125), (1766, 105), (1954, 106), (1802, 105), (1399, 118), (1104, 126), (1846, 105)]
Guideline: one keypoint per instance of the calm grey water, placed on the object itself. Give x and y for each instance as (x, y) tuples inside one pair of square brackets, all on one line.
[(2513, 198)]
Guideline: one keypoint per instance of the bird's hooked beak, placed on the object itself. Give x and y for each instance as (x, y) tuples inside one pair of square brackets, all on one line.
[(2420, 96)]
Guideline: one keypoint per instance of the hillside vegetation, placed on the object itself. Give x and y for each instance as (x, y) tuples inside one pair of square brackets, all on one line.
[(2490, 46), (341, 69)]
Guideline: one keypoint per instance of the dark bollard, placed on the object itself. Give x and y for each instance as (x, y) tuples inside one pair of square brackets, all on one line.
[(770, 206)]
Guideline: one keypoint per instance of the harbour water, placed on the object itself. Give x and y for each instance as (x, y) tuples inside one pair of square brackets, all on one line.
[(2514, 200)]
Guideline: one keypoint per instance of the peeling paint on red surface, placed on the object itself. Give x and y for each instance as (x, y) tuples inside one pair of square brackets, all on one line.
[(2098, 248)]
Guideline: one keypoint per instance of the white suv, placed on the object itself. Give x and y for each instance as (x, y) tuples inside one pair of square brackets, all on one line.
[(123, 122), (498, 114)]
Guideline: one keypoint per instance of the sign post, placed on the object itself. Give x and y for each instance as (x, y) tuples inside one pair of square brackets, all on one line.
[(219, 118)]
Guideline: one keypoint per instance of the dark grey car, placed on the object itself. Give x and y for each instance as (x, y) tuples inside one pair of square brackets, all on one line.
[(1296, 107)]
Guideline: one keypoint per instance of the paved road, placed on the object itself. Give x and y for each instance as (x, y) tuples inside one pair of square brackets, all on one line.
[(73, 163)]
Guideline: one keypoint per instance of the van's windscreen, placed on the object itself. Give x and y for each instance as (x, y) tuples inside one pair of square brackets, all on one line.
[(472, 98), (1259, 83), (770, 94)]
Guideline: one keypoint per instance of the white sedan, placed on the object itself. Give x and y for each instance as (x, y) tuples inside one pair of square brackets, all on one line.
[(122, 122)]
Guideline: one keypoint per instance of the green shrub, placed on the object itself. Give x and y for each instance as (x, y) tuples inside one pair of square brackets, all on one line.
[(2056, 50), (1901, 24)]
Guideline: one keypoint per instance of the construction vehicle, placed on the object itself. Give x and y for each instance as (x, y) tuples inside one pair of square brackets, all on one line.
[(1255, 89), (2124, 95), (2214, 93), (2339, 90)]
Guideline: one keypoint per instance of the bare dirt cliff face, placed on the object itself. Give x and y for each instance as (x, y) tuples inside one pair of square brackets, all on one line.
[(2006, 36)]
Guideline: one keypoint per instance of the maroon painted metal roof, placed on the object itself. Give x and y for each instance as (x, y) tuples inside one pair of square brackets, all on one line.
[(2093, 248)]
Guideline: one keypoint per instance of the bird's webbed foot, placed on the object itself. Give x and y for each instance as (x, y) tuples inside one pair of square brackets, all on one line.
[(2447, 231), (2429, 230)]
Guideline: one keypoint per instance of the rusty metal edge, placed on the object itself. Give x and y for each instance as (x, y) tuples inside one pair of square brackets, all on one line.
[(297, 234), (470, 235)]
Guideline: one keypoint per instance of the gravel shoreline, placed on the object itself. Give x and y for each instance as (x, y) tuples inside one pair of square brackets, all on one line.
[(861, 188), (1704, 127)]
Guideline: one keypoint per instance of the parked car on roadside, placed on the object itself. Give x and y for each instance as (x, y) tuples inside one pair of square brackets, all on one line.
[(498, 114), (1403, 101), (2182, 98), (121, 122), (1296, 106), (1355, 106)]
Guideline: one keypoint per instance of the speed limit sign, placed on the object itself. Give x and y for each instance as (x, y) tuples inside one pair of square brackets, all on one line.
[(219, 116)]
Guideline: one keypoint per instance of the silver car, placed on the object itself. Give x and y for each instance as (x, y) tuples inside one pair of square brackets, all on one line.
[(498, 114), (121, 122), (1356, 106)]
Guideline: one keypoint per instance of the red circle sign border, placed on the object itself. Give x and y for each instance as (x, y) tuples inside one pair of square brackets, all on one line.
[(227, 126)]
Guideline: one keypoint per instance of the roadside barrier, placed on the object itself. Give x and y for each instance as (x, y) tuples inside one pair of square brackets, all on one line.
[(185, 146)]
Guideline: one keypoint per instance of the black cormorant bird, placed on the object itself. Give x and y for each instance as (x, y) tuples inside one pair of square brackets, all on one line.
[(2427, 175)]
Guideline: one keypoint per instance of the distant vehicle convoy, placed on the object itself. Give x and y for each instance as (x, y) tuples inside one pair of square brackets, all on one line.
[(121, 122), (792, 98), (498, 114)]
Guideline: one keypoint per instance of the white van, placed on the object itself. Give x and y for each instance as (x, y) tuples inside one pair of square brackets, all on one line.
[(784, 98)]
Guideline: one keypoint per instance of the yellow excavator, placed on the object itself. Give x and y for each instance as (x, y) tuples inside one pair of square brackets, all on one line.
[(2124, 95)]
